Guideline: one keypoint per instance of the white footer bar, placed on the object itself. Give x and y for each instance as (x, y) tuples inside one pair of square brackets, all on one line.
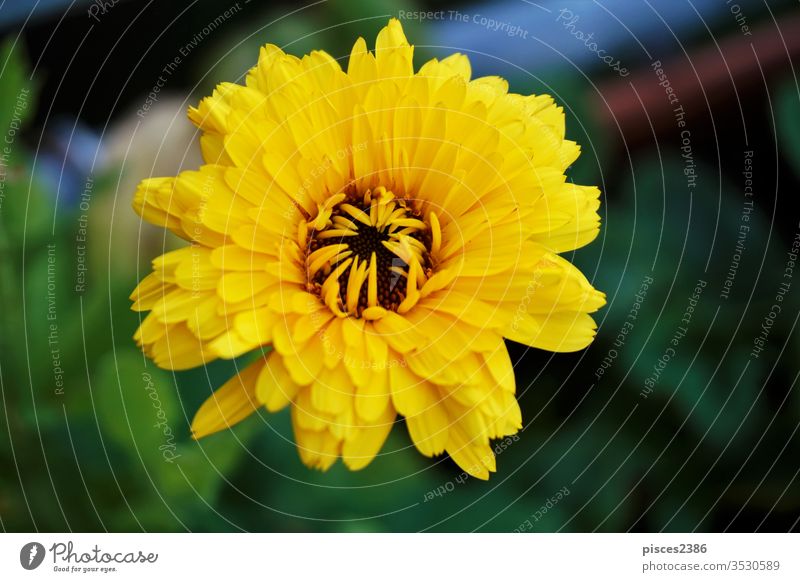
[(402, 557)]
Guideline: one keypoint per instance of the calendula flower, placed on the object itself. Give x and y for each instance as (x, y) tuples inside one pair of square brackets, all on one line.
[(372, 236)]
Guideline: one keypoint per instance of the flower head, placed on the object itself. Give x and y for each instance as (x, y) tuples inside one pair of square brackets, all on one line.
[(371, 235)]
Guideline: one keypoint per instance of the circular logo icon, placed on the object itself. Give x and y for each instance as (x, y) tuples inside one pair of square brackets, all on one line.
[(31, 555)]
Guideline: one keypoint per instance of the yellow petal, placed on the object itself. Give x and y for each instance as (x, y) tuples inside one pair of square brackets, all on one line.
[(393, 54), (372, 400), (360, 449), (318, 449), (332, 391), (147, 292), (274, 387), (411, 395), (235, 287), (429, 430), (556, 332), (473, 456), (232, 403), (179, 349)]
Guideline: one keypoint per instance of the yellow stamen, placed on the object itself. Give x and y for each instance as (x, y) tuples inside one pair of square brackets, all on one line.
[(374, 209), (383, 194), (325, 209), (412, 294), (438, 281), (410, 222), (372, 286), (336, 232), (332, 300), (342, 222), (330, 288), (356, 213), (321, 220), (331, 202), (396, 213), (320, 257), (399, 270), (354, 284), (414, 242), (436, 233), (385, 211), (400, 248), (373, 313)]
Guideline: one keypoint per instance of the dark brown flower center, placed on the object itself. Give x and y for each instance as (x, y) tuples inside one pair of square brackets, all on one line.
[(362, 251)]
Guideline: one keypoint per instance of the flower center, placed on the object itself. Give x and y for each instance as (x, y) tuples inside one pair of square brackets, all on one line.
[(368, 253)]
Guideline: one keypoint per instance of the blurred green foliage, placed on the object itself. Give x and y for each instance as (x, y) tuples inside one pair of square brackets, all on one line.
[(787, 119)]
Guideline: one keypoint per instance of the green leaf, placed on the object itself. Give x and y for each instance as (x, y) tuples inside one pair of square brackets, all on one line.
[(137, 408)]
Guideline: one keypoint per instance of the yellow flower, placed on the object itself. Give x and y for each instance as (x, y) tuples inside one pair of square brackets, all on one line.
[(372, 235)]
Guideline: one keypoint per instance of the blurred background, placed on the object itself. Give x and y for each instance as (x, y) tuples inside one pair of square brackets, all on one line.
[(683, 415)]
